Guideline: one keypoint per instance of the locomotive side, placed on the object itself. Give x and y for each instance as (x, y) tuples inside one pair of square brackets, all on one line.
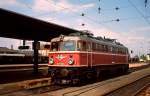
[(75, 58)]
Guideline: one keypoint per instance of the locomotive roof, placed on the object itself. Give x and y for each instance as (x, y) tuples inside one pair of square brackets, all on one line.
[(89, 37)]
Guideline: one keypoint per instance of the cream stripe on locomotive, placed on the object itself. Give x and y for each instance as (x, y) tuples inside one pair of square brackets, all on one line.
[(89, 52)]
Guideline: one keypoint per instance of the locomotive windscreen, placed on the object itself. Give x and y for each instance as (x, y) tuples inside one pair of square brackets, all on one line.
[(63, 46), (67, 46)]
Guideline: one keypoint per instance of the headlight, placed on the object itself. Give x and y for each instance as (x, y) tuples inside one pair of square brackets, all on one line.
[(71, 61), (51, 61)]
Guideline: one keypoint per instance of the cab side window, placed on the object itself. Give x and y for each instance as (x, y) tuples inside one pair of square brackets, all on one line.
[(81, 46), (54, 46)]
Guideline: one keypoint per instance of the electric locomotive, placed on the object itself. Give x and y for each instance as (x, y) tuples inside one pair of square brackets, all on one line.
[(80, 56)]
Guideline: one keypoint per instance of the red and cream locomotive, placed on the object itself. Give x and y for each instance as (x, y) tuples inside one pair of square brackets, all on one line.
[(81, 56)]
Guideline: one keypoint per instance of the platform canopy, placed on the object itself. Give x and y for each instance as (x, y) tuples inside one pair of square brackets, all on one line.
[(18, 26)]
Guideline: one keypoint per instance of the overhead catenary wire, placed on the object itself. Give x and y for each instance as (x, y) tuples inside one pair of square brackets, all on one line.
[(121, 19), (139, 12), (88, 18), (64, 8), (95, 21), (30, 7)]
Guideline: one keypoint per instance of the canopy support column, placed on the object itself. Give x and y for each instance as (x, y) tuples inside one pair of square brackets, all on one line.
[(35, 57)]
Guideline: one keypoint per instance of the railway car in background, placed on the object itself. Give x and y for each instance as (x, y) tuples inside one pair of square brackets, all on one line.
[(80, 56), (10, 56)]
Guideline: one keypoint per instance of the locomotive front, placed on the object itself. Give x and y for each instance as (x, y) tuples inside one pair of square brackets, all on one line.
[(64, 60)]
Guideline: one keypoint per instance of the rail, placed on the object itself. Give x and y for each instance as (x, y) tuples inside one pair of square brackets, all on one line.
[(104, 87)]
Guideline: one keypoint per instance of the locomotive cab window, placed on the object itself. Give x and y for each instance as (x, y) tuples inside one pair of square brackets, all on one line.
[(82, 46), (79, 46), (54, 46), (67, 46)]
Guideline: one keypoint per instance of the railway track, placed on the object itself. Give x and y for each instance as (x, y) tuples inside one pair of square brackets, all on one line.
[(131, 89), (20, 72), (128, 85), (64, 90), (141, 89), (145, 91), (26, 67), (18, 67)]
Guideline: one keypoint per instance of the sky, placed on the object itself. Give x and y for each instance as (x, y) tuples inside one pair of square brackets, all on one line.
[(128, 21)]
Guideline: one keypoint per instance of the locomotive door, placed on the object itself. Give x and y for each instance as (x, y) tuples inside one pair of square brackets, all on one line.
[(89, 54), (86, 56), (113, 55)]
